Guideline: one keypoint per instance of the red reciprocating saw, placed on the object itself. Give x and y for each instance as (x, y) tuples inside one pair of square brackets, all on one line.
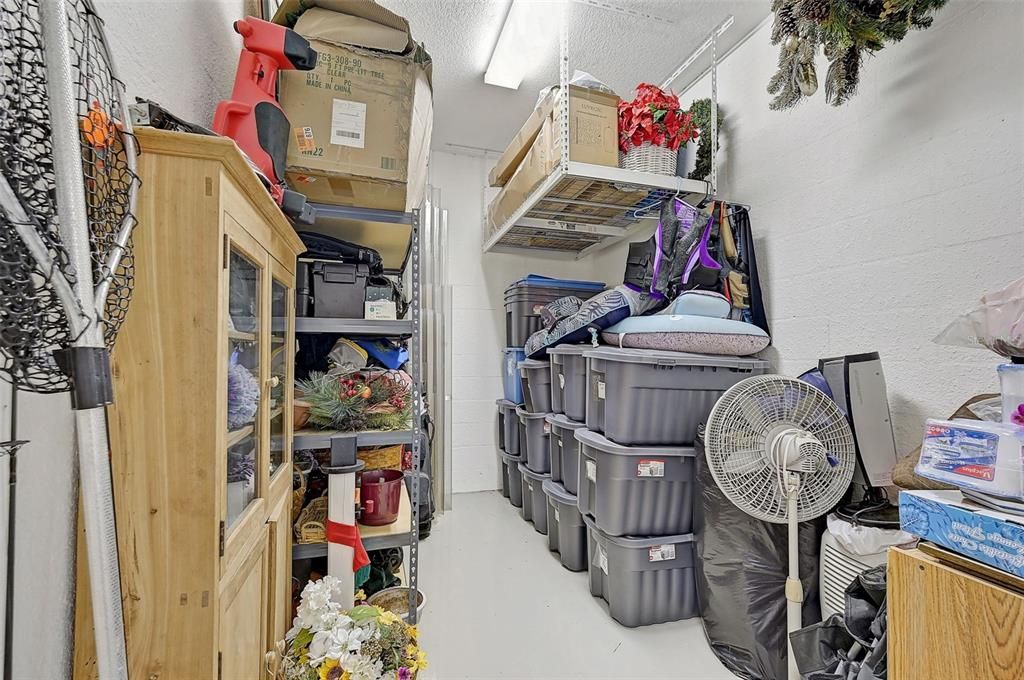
[(253, 118)]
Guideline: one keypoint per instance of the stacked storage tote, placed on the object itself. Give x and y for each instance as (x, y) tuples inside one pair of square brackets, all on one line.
[(636, 472)]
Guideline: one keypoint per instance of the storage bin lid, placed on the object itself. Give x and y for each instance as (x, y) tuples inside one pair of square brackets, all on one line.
[(570, 349), (534, 364), (562, 421), (534, 280), (553, 489), (516, 350), (635, 542), (662, 358), (505, 405), (510, 459), (523, 413), (599, 442), (535, 476)]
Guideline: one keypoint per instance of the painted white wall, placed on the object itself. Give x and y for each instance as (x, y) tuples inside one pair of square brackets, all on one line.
[(878, 222), (182, 54), (478, 284)]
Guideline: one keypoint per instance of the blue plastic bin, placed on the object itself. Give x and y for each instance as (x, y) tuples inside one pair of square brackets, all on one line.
[(511, 381)]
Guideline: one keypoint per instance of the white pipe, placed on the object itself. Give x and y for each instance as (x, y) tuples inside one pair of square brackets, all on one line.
[(794, 591), (90, 424), (341, 508)]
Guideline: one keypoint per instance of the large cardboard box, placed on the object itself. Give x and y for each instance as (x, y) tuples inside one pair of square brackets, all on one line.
[(361, 121), (593, 131), (593, 138)]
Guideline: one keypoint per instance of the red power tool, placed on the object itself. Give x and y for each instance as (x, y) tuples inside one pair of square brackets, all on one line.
[(253, 118)]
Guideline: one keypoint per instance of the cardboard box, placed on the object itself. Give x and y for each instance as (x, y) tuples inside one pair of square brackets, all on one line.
[(593, 132), (944, 517), (540, 160), (361, 121)]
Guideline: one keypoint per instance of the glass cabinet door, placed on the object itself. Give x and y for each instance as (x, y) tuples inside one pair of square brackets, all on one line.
[(281, 359), (244, 402)]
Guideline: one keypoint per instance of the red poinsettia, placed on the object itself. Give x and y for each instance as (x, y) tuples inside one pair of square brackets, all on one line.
[(654, 116)]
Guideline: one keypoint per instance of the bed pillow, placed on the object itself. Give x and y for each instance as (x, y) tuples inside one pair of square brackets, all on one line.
[(688, 333), (700, 303)]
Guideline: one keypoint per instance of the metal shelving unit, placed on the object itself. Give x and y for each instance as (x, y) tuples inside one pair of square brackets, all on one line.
[(581, 208), (396, 235)]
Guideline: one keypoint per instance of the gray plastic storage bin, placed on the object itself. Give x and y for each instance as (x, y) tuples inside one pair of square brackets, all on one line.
[(515, 479), (535, 503), (642, 396), (569, 380), (567, 534), (635, 490), (503, 472), (565, 451), (534, 448), (508, 427), (536, 376), (643, 580)]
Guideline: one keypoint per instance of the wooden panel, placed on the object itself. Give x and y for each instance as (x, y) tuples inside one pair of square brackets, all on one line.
[(945, 623), (242, 619), (279, 561)]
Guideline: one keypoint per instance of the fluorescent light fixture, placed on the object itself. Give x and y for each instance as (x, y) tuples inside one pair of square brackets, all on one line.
[(523, 34)]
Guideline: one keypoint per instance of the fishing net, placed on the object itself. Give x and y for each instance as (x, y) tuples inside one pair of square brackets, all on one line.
[(34, 316)]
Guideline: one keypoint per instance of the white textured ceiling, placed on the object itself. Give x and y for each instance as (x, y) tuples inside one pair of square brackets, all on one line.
[(618, 49)]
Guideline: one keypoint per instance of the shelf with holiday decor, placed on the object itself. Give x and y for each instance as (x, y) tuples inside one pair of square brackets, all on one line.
[(312, 438), (394, 535)]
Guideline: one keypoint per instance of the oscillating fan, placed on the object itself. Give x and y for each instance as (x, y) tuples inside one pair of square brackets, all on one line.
[(781, 451)]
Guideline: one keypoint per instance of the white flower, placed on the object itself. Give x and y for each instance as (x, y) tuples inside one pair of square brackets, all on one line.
[(338, 642), (362, 668)]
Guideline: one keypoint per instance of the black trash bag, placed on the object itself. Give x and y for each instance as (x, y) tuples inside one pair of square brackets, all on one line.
[(865, 596), (820, 648), (741, 578)]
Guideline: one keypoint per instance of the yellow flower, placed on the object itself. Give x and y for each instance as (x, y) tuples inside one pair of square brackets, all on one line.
[(360, 596), (326, 667), (414, 633), (388, 617), (416, 658)]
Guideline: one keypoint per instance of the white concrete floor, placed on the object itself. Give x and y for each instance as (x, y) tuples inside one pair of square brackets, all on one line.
[(499, 605)]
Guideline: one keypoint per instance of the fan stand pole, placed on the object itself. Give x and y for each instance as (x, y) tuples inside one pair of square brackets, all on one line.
[(794, 590)]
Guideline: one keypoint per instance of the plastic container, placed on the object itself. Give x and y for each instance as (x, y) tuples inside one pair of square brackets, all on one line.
[(515, 480), (503, 473), (567, 534), (535, 503), (511, 382), (536, 377), (525, 298), (569, 380), (565, 452), (537, 453), (648, 397), (380, 492), (1011, 387), (643, 580), (635, 490), (508, 427), (339, 289)]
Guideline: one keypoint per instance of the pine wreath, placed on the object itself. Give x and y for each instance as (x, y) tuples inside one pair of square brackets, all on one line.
[(847, 30)]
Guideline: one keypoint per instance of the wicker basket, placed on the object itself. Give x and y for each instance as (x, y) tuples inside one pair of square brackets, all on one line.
[(299, 494), (383, 458), (647, 157), (312, 522)]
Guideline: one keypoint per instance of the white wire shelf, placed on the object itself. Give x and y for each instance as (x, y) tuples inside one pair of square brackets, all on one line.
[(587, 208)]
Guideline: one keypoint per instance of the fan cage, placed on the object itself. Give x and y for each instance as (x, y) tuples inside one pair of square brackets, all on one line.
[(737, 438), (33, 320)]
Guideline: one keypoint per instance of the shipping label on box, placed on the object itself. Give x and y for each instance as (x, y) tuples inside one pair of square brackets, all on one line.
[(944, 517)]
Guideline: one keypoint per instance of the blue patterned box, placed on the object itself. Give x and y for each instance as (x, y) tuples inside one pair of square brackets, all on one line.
[(944, 517)]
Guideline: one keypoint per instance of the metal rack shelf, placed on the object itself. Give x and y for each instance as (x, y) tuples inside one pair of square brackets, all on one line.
[(393, 535), (399, 328), (321, 439), (585, 207), (389, 232)]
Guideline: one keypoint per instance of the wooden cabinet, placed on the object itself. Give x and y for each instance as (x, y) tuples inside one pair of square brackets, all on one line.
[(200, 430), (946, 622)]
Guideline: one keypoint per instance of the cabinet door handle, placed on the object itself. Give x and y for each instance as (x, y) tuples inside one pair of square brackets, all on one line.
[(274, 381)]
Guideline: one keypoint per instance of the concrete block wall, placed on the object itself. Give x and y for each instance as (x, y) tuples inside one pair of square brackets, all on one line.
[(879, 221)]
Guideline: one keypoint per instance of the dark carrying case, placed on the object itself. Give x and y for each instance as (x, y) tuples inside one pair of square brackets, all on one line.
[(331, 277)]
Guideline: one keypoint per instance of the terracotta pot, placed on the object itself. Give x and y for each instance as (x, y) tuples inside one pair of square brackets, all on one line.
[(300, 414)]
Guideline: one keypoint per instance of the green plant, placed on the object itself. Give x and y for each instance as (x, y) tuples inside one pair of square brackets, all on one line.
[(847, 30), (700, 110), (361, 400)]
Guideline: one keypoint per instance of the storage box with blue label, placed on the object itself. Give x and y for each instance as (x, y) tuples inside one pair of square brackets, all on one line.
[(975, 455), (947, 518)]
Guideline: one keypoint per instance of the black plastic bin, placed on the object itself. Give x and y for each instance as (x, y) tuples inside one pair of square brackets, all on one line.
[(338, 290)]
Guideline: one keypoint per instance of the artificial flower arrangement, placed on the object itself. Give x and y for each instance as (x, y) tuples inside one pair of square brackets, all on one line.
[(655, 117), (243, 396), (358, 400), (327, 643)]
